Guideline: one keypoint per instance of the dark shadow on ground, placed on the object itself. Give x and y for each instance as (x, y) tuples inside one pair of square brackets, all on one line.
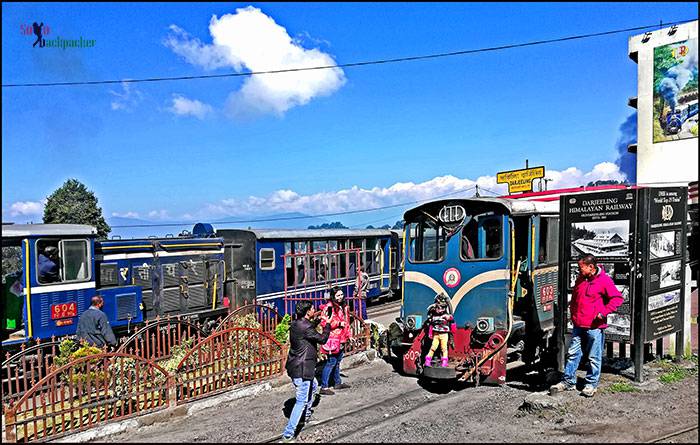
[(289, 405)]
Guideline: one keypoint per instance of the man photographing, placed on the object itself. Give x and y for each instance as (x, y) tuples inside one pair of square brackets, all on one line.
[(301, 361)]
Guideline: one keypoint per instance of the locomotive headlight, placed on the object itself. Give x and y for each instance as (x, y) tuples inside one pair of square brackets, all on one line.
[(411, 323), (485, 324), (414, 322)]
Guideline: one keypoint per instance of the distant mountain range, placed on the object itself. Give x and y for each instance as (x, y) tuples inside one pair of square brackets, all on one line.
[(291, 220)]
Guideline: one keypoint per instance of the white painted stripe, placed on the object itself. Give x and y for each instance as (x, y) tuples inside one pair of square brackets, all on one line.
[(62, 287), (426, 280), (125, 256), (492, 275)]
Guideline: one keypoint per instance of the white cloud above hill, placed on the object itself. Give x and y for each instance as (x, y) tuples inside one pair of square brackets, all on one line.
[(358, 198)]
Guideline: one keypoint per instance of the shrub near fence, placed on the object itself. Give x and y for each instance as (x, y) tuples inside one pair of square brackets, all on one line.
[(103, 387), (86, 392), (22, 370), (266, 316), (166, 363), (229, 358)]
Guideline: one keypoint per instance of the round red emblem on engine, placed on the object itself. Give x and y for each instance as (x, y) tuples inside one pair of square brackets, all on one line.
[(451, 277)]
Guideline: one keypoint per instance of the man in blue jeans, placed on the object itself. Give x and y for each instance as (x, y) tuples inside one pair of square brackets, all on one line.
[(594, 297), (301, 362)]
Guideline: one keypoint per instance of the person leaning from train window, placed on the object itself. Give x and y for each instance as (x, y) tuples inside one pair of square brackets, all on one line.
[(336, 311), (93, 326), (301, 361), (594, 297), (48, 265)]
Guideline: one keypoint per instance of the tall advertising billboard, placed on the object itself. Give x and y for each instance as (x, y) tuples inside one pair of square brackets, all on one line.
[(675, 105)]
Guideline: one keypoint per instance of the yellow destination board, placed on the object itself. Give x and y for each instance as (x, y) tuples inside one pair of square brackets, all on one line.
[(520, 180)]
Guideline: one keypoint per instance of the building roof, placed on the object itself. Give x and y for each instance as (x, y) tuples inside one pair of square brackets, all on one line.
[(24, 230)]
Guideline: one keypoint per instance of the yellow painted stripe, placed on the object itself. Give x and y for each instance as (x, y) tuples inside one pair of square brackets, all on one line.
[(404, 249), (532, 256), (492, 275), (513, 272), (28, 289), (213, 303)]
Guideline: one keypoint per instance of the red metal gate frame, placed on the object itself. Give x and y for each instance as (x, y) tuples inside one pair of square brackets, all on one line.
[(316, 291)]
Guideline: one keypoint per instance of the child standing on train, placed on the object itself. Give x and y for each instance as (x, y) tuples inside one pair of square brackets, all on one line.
[(441, 324)]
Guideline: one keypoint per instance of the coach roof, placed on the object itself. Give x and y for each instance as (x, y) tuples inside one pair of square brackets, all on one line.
[(24, 230), (512, 206), (309, 233)]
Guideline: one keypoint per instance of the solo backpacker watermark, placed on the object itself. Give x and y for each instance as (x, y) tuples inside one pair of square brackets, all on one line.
[(39, 30)]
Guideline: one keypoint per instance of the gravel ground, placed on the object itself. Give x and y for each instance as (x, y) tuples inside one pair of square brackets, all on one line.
[(388, 407)]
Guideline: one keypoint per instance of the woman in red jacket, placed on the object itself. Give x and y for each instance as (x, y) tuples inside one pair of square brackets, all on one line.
[(337, 312), (594, 297)]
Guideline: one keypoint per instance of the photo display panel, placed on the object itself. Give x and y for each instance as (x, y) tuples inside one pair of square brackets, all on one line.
[(602, 224), (665, 262)]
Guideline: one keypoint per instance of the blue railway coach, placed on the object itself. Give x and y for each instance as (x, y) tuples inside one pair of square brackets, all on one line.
[(255, 271), (138, 279)]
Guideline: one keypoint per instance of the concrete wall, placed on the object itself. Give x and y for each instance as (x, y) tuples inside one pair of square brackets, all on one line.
[(671, 161)]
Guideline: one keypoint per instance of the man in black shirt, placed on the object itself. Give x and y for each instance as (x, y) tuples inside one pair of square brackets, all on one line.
[(93, 325), (301, 362)]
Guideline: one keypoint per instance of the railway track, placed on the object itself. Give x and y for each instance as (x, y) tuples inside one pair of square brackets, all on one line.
[(384, 309), (674, 434), (376, 413)]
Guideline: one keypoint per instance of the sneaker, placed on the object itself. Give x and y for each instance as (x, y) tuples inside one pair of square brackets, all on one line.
[(560, 387), (326, 392), (286, 439), (342, 386), (307, 417), (588, 391)]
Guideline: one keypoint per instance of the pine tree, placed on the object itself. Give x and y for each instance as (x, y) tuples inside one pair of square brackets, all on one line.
[(73, 203)]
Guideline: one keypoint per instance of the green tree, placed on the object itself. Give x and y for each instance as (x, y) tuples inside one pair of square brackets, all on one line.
[(399, 224), (73, 203)]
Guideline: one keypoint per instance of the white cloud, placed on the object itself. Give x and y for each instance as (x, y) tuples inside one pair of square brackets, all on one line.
[(183, 106), (251, 40), (27, 208), (357, 198), (126, 214), (127, 98), (158, 214)]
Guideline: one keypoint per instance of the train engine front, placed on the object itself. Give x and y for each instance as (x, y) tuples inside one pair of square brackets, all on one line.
[(459, 251)]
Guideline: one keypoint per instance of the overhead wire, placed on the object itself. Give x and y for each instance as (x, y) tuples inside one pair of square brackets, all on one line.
[(346, 65)]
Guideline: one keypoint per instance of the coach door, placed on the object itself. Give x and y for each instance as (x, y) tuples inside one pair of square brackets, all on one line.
[(239, 283)]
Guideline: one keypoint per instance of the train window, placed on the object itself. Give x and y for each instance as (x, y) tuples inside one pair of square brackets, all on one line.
[(319, 246), (75, 265), (267, 259), (549, 239), (332, 245), (368, 263), (343, 265), (63, 261), (481, 240), (108, 274), (427, 242), (493, 238)]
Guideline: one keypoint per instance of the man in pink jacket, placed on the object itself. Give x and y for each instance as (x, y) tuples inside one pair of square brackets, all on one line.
[(594, 297)]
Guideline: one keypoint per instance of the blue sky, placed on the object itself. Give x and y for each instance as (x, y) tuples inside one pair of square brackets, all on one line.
[(343, 140)]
